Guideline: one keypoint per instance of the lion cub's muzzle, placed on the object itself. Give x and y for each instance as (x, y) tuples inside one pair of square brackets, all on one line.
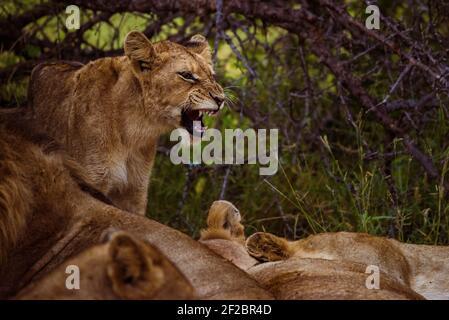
[(192, 118)]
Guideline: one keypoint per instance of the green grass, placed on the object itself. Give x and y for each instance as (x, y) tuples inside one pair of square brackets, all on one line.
[(315, 197)]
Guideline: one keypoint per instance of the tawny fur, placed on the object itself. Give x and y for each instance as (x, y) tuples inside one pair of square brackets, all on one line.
[(315, 279), (109, 114), (266, 247), (16, 198), (422, 268), (122, 268), (223, 222), (61, 220), (225, 234), (31, 163), (291, 277), (27, 165)]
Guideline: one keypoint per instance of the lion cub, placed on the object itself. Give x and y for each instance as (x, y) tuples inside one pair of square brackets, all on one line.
[(225, 234), (122, 268), (47, 216), (109, 114)]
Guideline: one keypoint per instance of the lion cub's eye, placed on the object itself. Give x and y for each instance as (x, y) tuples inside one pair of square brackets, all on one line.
[(187, 76)]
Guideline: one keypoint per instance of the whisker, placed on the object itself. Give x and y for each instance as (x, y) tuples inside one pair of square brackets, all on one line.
[(228, 87), (230, 96)]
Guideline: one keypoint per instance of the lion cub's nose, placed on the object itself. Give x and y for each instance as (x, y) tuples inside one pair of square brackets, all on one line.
[(218, 99)]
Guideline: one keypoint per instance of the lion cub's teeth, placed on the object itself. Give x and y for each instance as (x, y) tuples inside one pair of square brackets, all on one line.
[(201, 113)]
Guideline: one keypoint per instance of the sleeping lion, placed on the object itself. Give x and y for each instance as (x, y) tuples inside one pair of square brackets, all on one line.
[(329, 265)]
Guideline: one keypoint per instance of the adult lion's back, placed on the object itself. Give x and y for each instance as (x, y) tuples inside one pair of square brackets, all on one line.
[(15, 195)]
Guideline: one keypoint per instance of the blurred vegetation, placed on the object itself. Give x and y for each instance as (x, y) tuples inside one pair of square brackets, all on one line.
[(340, 170)]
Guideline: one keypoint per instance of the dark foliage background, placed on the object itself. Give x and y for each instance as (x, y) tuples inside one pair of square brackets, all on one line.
[(362, 114)]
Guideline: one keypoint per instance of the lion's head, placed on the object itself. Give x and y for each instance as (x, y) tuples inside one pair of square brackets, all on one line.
[(124, 267), (179, 77)]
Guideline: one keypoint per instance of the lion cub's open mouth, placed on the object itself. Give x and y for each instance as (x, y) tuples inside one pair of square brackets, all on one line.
[(188, 117)]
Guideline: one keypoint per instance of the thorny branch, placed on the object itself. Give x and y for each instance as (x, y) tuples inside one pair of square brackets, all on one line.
[(351, 53)]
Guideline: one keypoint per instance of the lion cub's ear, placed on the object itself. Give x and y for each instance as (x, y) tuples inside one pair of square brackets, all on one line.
[(140, 51), (198, 44), (267, 247), (133, 268)]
